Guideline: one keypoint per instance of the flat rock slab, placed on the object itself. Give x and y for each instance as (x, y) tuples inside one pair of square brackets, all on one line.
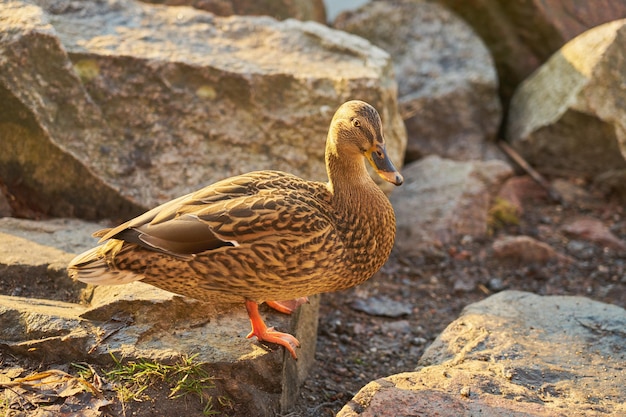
[(34, 256), (138, 321), (513, 354)]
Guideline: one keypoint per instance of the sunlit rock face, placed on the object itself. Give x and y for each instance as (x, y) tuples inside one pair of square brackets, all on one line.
[(512, 354), (569, 117), (114, 107)]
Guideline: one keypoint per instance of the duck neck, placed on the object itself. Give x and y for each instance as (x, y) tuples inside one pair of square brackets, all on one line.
[(367, 222), (350, 183), (347, 176)]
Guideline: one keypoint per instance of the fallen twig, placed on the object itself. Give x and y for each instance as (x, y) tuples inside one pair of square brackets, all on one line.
[(539, 179)]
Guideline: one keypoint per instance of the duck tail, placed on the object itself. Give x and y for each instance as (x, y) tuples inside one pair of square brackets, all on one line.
[(96, 266)]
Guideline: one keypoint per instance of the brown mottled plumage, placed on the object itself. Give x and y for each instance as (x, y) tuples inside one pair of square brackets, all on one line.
[(266, 235)]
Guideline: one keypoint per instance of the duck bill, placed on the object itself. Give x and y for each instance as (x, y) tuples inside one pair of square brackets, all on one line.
[(378, 158)]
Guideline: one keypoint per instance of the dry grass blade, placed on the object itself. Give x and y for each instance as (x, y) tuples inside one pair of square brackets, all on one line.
[(59, 381)]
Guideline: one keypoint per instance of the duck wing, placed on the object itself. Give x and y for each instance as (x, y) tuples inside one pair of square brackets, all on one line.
[(228, 213)]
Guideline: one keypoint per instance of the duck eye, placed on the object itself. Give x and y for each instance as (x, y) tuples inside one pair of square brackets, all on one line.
[(356, 123)]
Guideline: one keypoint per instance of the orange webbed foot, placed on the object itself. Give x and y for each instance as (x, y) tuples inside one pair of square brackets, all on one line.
[(287, 306), (265, 334)]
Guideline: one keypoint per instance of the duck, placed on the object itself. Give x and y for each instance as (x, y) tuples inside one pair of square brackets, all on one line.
[(265, 236)]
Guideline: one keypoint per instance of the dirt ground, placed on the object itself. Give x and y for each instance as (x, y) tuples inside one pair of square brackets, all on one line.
[(383, 326), (355, 348)]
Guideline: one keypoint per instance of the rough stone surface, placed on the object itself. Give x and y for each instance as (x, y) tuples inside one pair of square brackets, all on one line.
[(112, 107), (521, 190), (41, 98), (67, 235), (594, 230), (137, 320), (574, 195), (442, 200), (447, 84), (278, 9), (513, 354), (34, 256), (569, 117), (523, 35)]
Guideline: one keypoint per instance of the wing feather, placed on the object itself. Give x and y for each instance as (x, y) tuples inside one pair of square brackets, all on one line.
[(228, 213)]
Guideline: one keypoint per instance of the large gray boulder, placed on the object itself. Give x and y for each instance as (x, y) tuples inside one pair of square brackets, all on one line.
[(443, 200), (447, 83), (112, 107), (47, 317), (513, 354), (569, 117)]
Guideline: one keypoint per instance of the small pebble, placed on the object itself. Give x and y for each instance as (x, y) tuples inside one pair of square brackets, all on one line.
[(418, 341), (382, 306), (580, 250), (396, 327), (17, 291), (466, 240), (461, 285), (496, 284), (546, 220)]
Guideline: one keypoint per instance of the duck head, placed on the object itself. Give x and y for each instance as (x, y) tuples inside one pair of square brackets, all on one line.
[(355, 132)]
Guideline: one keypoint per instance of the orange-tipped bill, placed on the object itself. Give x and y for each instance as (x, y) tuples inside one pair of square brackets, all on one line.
[(378, 158)]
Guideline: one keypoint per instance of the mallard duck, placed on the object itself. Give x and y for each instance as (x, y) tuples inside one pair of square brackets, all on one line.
[(265, 236)]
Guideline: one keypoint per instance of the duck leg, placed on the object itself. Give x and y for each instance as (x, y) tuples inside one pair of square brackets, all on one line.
[(263, 333), (288, 306)]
